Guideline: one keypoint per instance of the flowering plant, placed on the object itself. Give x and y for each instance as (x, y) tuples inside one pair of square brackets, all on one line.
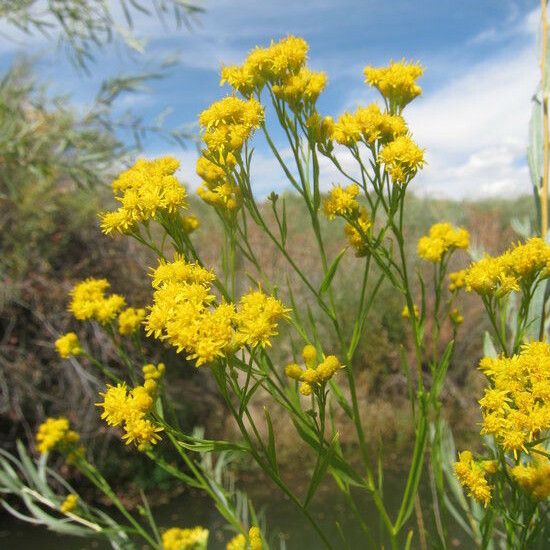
[(216, 322)]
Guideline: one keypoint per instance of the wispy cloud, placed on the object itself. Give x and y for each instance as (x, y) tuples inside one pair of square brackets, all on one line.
[(475, 128), (515, 25), (481, 72)]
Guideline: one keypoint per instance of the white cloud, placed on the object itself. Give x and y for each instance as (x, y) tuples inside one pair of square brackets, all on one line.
[(473, 124), (513, 26), (475, 129)]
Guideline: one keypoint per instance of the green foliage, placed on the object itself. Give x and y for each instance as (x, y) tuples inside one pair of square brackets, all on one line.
[(47, 149), (86, 25)]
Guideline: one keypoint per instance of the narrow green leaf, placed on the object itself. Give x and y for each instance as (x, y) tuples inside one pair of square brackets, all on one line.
[(211, 445), (331, 272), (319, 472), (271, 450)]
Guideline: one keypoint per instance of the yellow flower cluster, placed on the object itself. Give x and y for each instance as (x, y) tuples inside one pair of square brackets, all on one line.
[(69, 504), (516, 408), (217, 188), (129, 320), (88, 301), (238, 542), (534, 478), (183, 314), (302, 89), (341, 201), (472, 474), (151, 375), (255, 538), (519, 266), (369, 125), (397, 82), (314, 374), (320, 129), (195, 538), (274, 64), (457, 280), (256, 318), (130, 409), (68, 345), (402, 158), (356, 232), (190, 223), (227, 124), (456, 317), (145, 188), (442, 238), (55, 434), (406, 314)]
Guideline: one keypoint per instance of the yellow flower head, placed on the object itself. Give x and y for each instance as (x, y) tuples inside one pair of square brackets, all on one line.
[(190, 223), (457, 280), (195, 538), (69, 504), (142, 432), (357, 232), (183, 313), (55, 434), (320, 128), (226, 196), (516, 407), (217, 188), (68, 345), (406, 314), (152, 372), (238, 542), (396, 82), (240, 78), (293, 370), (500, 275), (255, 538), (130, 410), (369, 125), (456, 317), (274, 64), (302, 89), (342, 201), (402, 159), (534, 477), (146, 188), (471, 474), (89, 301), (209, 336), (346, 130), (309, 355), (314, 373), (129, 320), (181, 271), (442, 238), (257, 318), (115, 404), (209, 171), (228, 123)]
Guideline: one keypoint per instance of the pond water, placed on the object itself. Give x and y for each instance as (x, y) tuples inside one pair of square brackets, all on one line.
[(283, 519)]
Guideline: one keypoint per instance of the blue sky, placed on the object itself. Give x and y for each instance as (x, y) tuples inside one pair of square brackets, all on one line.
[(481, 72)]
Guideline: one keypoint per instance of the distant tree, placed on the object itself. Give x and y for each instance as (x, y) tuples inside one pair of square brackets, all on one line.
[(86, 25)]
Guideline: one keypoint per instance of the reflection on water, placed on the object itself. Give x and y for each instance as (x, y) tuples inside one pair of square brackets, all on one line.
[(279, 513)]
